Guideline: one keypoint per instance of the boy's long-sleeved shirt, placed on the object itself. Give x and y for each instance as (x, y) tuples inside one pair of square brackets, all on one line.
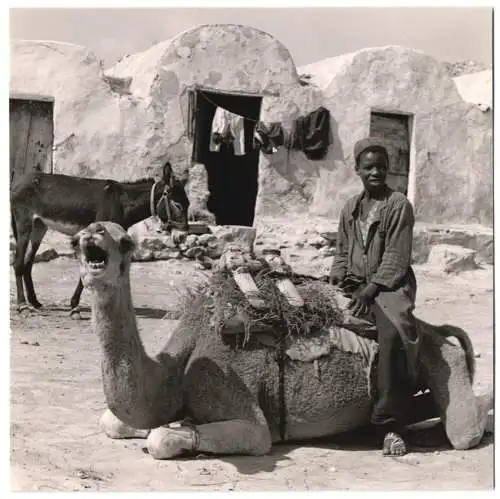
[(384, 258)]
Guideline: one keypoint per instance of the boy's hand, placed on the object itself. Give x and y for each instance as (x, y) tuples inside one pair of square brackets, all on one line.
[(362, 300)]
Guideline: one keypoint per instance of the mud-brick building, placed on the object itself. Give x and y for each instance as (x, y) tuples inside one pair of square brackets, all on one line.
[(125, 121)]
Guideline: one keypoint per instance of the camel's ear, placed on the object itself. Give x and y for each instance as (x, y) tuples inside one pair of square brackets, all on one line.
[(127, 244)]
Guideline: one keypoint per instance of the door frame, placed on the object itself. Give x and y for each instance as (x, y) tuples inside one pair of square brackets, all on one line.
[(194, 123), (411, 135)]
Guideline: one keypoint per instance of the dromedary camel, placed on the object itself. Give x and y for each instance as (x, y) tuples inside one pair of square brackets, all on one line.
[(68, 204), (234, 398)]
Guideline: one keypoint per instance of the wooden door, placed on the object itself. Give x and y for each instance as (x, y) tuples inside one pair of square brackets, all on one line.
[(395, 130), (31, 135)]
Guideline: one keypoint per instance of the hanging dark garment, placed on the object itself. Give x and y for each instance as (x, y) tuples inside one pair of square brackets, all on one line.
[(217, 139), (268, 137), (311, 134)]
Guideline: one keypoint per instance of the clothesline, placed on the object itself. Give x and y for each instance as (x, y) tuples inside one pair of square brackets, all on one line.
[(310, 133), (216, 105)]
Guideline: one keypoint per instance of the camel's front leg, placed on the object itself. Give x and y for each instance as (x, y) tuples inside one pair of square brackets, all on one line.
[(223, 437), (114, 428), (233, 422)]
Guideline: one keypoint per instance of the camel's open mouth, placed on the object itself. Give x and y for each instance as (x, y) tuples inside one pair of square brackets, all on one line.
[(96, 257)]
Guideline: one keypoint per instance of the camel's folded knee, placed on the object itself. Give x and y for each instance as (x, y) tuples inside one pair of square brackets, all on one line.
[(480, 420), (165, 442), (114, 428)]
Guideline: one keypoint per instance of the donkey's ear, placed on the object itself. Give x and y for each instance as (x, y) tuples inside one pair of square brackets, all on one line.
[(127, 244), (167, 172)]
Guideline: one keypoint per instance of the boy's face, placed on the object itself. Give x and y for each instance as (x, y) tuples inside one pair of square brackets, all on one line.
[(372, 170)]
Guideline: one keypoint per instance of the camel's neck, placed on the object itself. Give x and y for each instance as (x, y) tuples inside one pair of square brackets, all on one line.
[(113, 320), (138, 389)]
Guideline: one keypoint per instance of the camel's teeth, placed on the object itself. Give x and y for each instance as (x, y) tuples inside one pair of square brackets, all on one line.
[(96, 265)]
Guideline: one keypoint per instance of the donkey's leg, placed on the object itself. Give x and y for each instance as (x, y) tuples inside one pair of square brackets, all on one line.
[(75, 301), (38, 231), (22, 240)]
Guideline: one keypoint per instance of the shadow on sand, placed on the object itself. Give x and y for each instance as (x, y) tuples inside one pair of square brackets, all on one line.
[(420, 441)]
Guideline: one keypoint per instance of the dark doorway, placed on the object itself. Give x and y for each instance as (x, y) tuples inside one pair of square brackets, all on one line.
[(395, 130), (232, 179)]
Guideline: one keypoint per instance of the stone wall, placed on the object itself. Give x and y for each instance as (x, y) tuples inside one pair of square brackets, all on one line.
[(309, 249)]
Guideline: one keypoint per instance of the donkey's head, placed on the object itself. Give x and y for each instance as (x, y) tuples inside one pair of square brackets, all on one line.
[(169, 201)]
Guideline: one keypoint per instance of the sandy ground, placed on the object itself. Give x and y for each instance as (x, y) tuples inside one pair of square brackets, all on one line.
[(57, 399)]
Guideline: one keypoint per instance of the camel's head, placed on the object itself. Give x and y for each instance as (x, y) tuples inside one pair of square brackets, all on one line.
[(104, 250)]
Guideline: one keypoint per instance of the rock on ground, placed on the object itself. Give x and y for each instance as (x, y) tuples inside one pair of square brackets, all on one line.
[(452, 259), (233, 233)]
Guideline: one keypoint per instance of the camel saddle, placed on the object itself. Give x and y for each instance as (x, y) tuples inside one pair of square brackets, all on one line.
[(348, 333)]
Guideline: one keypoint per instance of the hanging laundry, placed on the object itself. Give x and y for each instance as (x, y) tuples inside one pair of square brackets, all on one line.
[(220, 129), (230, 128), (237, 127), (311, 134), (268, 137)]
